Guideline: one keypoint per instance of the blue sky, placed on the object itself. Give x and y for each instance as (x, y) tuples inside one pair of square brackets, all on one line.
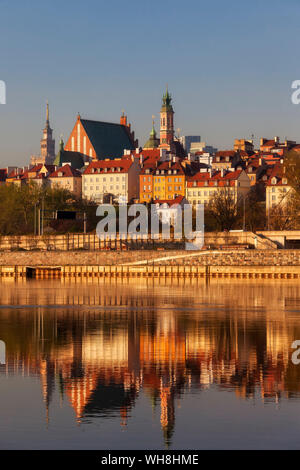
[(229, 66)]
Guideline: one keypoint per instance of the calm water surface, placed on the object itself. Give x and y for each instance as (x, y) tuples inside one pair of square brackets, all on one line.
[(149, 364)]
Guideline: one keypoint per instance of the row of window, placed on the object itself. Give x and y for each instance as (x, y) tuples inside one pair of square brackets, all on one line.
[(91, 179), (104, 188), (170, 180), (176, 188)]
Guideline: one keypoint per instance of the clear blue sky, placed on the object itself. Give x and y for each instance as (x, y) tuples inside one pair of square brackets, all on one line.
[(229, 66)]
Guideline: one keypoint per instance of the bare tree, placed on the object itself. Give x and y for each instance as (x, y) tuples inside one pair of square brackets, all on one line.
[(224, 208)]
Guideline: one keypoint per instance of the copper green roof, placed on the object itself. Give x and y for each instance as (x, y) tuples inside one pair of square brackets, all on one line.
[(108, 139), (153, 142), (167, 98), (76, 159)]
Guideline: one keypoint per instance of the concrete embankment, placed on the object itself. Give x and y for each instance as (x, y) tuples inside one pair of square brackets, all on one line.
[(227, 263)]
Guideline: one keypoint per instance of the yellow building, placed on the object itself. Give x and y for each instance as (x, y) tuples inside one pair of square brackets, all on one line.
[(168, 180)]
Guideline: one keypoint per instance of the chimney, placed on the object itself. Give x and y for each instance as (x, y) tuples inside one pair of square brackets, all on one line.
[(260, 161), (123, 120), (276, 139), (222, 172)]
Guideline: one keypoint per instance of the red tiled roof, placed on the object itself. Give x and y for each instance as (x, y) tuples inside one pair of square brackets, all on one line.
[(123, 164), (276, 171), (226, 153), (65, 171), (269, 143), (210, 179), (170, 202), (16, 173)]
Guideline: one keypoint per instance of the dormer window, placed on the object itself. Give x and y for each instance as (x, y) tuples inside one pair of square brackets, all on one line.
[(274, 181), (175, 172), (195, 183), (284, 181), (105, 169)]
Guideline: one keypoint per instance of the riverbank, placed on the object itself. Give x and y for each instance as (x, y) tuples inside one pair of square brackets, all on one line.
[(150, 263)]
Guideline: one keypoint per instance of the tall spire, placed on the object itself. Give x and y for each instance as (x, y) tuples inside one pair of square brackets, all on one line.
[(167, 98), (47, 115)]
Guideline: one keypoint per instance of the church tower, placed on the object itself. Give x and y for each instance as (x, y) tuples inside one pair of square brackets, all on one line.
[(166, 122), (47, 142)]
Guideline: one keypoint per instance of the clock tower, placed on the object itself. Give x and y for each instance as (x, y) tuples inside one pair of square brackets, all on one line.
[(166, 122)]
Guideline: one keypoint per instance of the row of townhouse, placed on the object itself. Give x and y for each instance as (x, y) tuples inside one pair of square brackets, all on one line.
[(65, 177), (147, 175), (202, 186)]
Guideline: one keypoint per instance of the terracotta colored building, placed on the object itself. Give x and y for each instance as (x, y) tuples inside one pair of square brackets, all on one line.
[(100, 140)]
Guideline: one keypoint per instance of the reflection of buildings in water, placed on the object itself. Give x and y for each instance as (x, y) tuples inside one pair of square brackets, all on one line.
[(162, 341)]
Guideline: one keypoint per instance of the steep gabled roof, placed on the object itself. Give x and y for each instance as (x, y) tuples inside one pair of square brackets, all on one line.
[(108, 139), (66, 171)]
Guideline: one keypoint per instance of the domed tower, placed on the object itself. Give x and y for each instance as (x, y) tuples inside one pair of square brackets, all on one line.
[(166, 121), (153, 141)]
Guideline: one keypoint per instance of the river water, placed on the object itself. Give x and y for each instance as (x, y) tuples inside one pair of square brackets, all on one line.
[(149, 364)]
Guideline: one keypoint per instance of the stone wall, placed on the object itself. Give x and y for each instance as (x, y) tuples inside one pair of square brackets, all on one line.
[(203, 258)]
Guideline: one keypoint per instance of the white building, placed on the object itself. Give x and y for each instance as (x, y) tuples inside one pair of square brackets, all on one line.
[(111, 180)]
